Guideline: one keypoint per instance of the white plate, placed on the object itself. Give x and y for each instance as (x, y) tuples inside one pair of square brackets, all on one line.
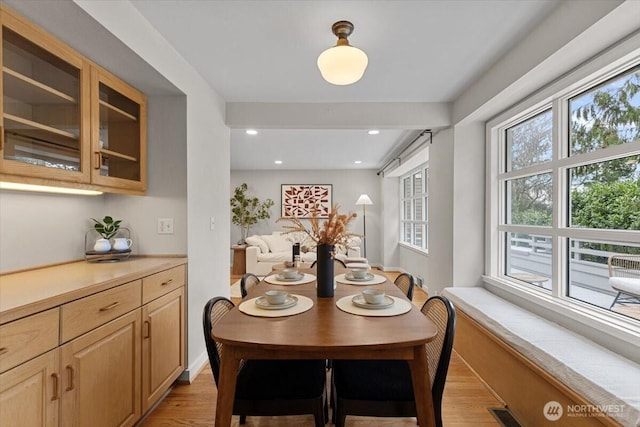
[(366, 278), (264, 304), (300, 276), (358, 301)]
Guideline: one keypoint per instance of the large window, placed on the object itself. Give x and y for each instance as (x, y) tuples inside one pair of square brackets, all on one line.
[(566, 176), (414, 210)]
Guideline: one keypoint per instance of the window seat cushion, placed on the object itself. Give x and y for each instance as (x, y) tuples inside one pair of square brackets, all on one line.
[(601, 376)]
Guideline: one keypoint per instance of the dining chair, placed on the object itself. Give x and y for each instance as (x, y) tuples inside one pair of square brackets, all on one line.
[(383, 388), (336, 261), (268, 387), (248, 281), (405, 282)]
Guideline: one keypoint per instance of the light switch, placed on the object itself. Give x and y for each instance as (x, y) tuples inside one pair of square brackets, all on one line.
[(165, 225)]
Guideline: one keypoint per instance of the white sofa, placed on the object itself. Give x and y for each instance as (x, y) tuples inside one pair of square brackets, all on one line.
[(265, 251)]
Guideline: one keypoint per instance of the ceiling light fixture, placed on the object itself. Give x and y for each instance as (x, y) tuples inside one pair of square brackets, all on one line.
[(278, 162), (373, 132), (357, 162), (251, 132), (342, 64)]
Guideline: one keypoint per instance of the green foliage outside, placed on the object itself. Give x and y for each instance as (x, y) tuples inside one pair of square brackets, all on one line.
[(247, 211), (614, 205)]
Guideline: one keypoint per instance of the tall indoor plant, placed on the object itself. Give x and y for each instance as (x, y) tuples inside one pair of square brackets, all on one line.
[(247, 211)]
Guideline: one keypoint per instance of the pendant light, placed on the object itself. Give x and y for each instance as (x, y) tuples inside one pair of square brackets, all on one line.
[(342, 64)]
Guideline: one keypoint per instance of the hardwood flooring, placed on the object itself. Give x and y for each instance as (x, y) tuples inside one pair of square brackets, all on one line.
[(465, 401)]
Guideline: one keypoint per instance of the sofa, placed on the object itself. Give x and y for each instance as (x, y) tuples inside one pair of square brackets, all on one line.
[(265, 251)]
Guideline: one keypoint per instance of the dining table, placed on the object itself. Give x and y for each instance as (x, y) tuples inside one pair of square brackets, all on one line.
[(324, 331)]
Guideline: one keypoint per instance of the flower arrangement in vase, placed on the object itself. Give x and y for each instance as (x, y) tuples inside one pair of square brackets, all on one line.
[(326, 236)]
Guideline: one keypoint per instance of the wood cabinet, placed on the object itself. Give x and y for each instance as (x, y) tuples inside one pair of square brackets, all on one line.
[(29, 393), (65, 120), (162, 343), (100, 357), (101, 375)]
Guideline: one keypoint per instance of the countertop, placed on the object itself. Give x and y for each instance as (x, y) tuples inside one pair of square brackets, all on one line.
[(30, 291)]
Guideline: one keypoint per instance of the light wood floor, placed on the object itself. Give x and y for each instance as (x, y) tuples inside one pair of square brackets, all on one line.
[(465, 401)]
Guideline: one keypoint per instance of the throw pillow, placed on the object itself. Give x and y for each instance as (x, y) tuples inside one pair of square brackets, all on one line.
[(257, 241), (278, 243)]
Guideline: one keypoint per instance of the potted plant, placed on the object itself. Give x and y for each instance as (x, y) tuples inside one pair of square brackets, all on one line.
[(107, 228), (247, 211)]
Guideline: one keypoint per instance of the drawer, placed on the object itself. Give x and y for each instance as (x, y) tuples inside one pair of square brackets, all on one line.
[(158, 284), (88, 313), (27, 338)]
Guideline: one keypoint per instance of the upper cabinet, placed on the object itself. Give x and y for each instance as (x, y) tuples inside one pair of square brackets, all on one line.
[(65, 120), (118, 118)]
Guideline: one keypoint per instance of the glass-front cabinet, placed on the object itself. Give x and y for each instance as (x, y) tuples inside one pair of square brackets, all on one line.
[(65, 120), (44, 98), (118, 133)]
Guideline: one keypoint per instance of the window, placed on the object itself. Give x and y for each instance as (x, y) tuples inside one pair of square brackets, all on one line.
[(566, 175), (414, 209)]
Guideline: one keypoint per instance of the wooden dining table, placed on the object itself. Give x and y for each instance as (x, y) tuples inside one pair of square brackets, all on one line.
[(324, 332)]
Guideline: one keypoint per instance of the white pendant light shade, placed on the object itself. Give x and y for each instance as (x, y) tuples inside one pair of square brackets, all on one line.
[(342, 64)]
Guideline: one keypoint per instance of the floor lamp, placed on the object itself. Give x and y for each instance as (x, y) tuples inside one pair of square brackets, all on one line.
[(364, 200)]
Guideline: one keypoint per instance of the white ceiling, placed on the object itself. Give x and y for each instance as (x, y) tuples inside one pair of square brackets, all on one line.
[(266, 51)]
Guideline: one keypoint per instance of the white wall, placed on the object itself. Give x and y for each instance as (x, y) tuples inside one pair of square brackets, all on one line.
[(167, 182), (347, 185), (38, 228), (468, 204), (435, 268)]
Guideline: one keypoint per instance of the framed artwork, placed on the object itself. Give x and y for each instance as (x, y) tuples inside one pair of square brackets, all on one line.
[(300, 200)]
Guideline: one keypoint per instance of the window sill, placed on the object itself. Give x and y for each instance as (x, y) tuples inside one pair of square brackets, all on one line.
[(424, 252), (614, 332)]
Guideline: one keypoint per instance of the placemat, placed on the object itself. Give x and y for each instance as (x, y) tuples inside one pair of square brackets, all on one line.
[(400, 306), (377, 279), (249, 307), (273, 279)]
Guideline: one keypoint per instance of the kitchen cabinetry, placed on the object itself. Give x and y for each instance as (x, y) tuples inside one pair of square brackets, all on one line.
[(65, 120), (91, 353)]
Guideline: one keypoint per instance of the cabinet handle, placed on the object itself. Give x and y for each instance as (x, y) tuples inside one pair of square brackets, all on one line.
[(147, 333), (98, 160), (1, 137), (166, 283), (4, 350), (70, 377), (56, 381), (110, 306)]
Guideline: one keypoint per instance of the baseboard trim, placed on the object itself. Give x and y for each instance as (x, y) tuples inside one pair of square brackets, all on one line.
[(192, 371)]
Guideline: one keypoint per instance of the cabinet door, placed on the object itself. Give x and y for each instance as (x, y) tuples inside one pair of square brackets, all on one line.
[(162, 345), (45, 105), (29, 393), (101, 375), (118, 135)]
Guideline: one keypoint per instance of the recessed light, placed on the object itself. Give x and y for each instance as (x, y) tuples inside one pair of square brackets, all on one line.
[(357, 162), (251, 132), (373, 132), (278, 162)]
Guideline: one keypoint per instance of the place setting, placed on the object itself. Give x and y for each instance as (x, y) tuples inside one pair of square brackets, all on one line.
[(373, 302), (275, 303), (360, 276), (289, 276)]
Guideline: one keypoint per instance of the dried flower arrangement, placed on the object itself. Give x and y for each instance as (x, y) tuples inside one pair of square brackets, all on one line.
[(332, 232)]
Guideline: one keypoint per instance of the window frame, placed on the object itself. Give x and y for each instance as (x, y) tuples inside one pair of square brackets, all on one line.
[(424, 168), (556, 97)]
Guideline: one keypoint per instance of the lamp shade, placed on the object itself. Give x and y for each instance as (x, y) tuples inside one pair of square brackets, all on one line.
[(364, 199), (342, 64)]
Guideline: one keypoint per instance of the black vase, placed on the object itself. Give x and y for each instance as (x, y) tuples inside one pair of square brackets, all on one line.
[(324, 269)]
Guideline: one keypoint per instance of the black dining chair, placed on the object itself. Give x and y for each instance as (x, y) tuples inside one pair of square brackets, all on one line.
[(405, 282), (248, 281), (268, 387), (336, 261), (383, 388)]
